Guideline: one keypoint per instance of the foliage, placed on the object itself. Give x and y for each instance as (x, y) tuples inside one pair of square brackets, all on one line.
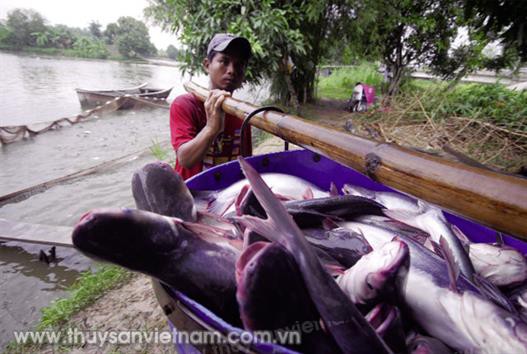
[(26, 30), (340, 83), (173, 53), (503, 21), (22, 23), (131, 37), (494, 103), (405, 33), (90, 48), (95, 29), (84, 292), (281, 33), (111, 33)]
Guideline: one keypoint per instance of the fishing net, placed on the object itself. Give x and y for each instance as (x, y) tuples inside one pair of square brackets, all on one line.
[(9, 134)]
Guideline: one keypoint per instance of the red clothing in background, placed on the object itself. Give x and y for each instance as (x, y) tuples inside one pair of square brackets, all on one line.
[(187, 118)]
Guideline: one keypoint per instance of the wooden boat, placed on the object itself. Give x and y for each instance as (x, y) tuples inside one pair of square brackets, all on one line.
[(136, 97)]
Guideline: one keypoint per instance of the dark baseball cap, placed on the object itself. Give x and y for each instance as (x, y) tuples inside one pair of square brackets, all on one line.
[(221, 41)]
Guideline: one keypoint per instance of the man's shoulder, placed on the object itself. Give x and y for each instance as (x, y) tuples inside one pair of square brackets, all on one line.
[(187, 99)]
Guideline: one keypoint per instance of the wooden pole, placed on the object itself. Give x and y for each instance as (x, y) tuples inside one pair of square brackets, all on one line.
[(490, 198)]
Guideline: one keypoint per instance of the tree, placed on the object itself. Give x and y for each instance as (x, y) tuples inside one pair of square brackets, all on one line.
[(131, 37), (22, 23), (90, 48), (503, 21), (111, 33), (172, 52), (287, 37), (409, 33), (95, 29), (42, 38)]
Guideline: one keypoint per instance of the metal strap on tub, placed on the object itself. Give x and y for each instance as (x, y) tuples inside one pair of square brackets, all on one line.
[(246, 123)]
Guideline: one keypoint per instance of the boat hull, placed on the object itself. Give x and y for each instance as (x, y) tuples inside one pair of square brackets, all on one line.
[(132, 98)]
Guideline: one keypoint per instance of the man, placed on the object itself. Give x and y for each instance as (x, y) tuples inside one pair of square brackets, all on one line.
[(201, 133)]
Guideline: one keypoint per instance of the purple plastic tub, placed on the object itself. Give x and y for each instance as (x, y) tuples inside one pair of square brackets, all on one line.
[(319, 171)]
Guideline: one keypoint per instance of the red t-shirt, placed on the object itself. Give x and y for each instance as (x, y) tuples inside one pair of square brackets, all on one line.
[(187, 118)]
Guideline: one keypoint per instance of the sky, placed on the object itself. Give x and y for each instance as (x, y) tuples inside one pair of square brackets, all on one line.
[(79, 13)]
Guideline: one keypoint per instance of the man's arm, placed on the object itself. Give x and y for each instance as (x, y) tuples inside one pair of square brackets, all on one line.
[(193, 151)]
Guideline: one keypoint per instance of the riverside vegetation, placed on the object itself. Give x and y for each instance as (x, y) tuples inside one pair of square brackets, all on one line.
[(487, 123)]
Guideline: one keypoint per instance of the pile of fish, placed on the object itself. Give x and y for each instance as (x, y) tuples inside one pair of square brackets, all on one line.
[(377, 272)]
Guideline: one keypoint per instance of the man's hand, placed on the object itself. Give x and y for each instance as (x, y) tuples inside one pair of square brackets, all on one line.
[(215, 115)]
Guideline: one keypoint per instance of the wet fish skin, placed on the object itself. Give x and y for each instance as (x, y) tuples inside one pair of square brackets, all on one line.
[(341, 318), (272, 296), (155, 245), (431, 220), (222, 202), (158, 188), (343, 245), (311, 213), (501, 265), (463, 320), (389, 200)]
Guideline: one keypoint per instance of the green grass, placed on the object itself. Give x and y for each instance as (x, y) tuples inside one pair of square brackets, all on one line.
[(86, 290), (340, 84), (162, 152), (158, 151)]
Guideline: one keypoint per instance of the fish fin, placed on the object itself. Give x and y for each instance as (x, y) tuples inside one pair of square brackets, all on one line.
[(499, 239), (493, 293), (279, 226), (240, 198), (333, 191), (263, 227), (423, 206), (211, 233), (433, 246), (461, 236), (351, 189), (333, 269), (329, 224), (308, 194), (452, 266), (283, 197)]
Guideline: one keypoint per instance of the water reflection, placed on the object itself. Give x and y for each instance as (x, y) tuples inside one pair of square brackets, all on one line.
[(19, 259)]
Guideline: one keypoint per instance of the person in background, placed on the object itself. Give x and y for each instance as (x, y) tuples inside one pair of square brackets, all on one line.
[(202, 135)]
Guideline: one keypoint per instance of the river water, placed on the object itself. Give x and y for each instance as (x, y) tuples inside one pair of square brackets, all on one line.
[(41, 89)]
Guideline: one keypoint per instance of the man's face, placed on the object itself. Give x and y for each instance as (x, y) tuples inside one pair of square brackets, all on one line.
[(226, 71)]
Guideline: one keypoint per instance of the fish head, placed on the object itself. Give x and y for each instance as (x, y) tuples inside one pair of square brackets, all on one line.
[(386, 262), (158, 188), (134, 239), (427, 345), (500, 264), (373, 272), (271, 292)]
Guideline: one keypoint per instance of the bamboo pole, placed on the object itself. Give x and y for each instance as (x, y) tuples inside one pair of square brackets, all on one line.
[(490, 198)]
